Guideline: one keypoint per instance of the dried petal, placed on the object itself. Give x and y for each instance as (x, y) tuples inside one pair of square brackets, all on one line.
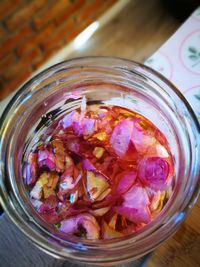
[(69, 119), (100, 212), (143, 142), (102, 136), (30, 169), (126, 182), (161, 151), (83, 224), (89, 126), (121, 137), (74, 145), (66, 210), (69, 166), (113, 221), (96, 184), (104, 194), (47, 159), (102, 161), (87, 165), (46, 184), (27, 175), (36, 192), (52, 201), (49, 187), (157, 202), (109, 233), (84, 126), (59, 154), (98, 152), (135, 205), (49, 214), (66, 185), (36, 203), (154, 172)]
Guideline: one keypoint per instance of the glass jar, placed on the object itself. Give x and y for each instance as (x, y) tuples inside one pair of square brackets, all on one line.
[(46, 97)]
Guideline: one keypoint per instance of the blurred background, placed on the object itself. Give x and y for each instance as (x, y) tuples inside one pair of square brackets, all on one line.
[(32, 31), (37, 33)]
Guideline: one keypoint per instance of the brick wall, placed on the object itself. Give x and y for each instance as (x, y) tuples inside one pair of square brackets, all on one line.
[(31, 31)]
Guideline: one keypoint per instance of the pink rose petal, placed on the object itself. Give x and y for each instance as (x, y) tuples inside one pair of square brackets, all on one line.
[(46, 158), (121, 137), (89, 125), (154, 172), (84, 126), (135, 215), (27, 174), (135, 205), (30, 169), (84, 221), (87, 165), (126, 181), (143, 142), (69, 119)]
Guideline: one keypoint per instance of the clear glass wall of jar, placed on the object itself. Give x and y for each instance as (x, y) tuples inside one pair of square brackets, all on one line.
[(112, 81)]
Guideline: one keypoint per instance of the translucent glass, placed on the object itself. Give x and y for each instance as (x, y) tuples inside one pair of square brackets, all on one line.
[(102, 80)]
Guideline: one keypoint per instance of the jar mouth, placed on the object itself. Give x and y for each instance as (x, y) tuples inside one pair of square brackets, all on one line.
[(165, 224)]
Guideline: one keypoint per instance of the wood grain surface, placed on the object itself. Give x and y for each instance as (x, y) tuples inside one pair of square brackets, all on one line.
[(135, 33)]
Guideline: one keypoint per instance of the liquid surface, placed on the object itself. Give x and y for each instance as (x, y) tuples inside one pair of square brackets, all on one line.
[(104, 172)]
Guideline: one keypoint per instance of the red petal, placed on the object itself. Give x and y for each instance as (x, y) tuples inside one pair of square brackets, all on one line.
[(49, 214), (73, 145), (154, 172), (52, 201)]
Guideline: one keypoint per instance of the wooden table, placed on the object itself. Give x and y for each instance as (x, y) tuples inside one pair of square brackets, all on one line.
[(135, 33)]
